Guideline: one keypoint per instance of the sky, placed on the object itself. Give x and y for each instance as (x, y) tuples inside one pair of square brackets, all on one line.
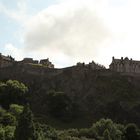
[(70, 31)]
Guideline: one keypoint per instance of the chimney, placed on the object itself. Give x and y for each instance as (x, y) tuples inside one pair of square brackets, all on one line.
[(121, 58), (113, 58)]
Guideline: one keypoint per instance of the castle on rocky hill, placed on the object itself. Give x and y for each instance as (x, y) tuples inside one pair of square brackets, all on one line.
[(6, 61), (125, 65)]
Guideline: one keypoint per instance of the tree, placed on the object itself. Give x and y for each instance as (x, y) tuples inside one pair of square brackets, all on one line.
[(132, 132), (16, 110), (107, 124), (8, 119), (2, 133), (25, 129), (12, 92), (9, 132), (106, 135), (61, 106)]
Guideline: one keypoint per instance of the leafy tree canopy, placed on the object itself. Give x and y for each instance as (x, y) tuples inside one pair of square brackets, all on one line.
[(11, 92)]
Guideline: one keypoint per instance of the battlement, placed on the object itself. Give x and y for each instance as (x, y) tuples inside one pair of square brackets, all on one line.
[(91, 65)]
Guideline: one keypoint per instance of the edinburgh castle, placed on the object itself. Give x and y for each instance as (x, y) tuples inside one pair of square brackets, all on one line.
[(6, 61), (123, 65)]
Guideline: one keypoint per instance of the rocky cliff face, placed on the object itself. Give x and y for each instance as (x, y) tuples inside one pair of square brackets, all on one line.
[(97, 93)]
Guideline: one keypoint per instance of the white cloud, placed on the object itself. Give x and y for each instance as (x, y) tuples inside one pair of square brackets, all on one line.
[(10, 49), (80, 30), (72, 29), (19, 14)]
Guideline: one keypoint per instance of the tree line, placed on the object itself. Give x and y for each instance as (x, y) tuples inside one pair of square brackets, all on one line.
[(17, 121)]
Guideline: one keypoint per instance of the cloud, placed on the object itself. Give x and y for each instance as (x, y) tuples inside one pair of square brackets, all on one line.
[(10, 49), (79, 30), (19, 14), (71, 28)]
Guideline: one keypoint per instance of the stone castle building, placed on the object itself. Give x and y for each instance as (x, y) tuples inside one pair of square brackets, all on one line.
[(6, 61), (125, 65), (29, 60), (43, 62), (47, 63)]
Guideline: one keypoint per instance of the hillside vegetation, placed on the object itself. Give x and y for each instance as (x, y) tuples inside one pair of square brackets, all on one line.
[(76, 97), (17, 121)]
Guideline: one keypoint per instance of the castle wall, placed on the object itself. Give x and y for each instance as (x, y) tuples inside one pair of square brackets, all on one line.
[(5, 63), (125, 65)]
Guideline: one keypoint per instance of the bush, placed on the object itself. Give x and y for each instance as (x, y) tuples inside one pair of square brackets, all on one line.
[(107, 125)]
